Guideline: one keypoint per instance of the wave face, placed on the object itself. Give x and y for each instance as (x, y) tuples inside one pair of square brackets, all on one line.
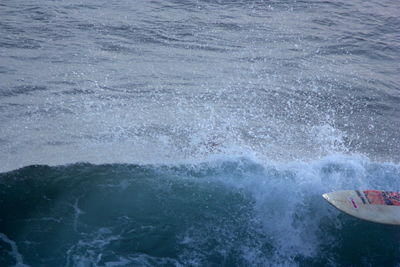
[(196, 133), (233, 212)]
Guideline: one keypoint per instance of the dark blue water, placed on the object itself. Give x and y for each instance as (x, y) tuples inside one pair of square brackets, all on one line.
[(225, 212), (208, 131)]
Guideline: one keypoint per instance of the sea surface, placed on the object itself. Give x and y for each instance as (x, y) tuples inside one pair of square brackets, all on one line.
[(196, 133)]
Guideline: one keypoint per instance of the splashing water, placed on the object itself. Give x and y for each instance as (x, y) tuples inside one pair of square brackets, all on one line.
[(209, 131)]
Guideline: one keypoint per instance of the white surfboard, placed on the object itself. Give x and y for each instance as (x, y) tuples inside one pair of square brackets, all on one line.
[(371, 205)]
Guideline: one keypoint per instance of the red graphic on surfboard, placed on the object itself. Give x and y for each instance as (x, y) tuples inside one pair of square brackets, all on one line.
[(376, 197)]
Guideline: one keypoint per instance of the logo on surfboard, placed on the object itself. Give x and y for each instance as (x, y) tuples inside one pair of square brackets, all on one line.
[(353, 203)]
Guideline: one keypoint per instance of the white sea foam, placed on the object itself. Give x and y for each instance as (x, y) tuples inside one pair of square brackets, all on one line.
[(14, 251)]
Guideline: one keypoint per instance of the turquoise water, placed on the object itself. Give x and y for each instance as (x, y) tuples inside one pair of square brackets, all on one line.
[(222, 212)]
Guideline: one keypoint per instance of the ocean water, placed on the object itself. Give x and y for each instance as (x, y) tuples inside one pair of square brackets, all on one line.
[(196, 133)]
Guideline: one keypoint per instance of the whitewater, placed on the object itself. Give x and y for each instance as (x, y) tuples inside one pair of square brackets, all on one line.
[(196, 133)]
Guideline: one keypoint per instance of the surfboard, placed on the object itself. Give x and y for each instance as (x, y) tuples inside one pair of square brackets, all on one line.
[(370, 205)]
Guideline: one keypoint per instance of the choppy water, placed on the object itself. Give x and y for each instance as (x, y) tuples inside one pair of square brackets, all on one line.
[(209, 130)]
